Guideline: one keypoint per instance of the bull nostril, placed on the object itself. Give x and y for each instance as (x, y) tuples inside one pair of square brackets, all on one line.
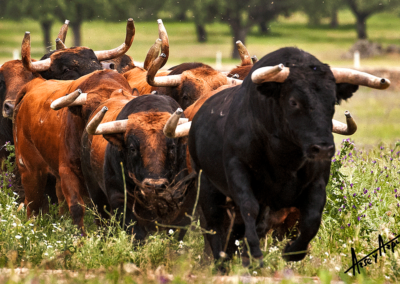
[(315, 149), (8, 107)]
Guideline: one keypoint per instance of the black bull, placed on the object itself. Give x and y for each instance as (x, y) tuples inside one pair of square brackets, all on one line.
[(268, 145)]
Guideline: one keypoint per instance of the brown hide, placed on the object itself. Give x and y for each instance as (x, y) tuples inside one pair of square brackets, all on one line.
[(15, 77), (137, 79), (148, 127), (242, 71), (49, 141)]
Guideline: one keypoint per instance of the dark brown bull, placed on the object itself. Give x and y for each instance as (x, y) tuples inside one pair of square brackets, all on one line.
[(131, 133), (48, 141)]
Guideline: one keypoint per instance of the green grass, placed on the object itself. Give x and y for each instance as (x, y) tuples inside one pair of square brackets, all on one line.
[(325, 43), (362, 202)]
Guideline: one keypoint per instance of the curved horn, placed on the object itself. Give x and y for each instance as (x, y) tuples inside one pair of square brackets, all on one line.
[(38, 66), (123, 48), (177, 127), (152, 54), (345, 129), (164, 81), (254, 59), (244, 54), (59, 44), (95, 121), (345, 75), (162, 34), (277, 73), (63, 31), (112, 127), (76, 98)]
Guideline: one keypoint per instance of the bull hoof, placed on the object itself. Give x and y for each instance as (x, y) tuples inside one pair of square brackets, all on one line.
[(245, 261), (291, 255)]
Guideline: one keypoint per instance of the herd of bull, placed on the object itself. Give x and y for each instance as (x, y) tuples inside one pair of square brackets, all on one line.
[(257, 141)]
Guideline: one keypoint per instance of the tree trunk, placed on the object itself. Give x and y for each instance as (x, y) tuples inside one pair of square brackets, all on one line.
[(361, 26), (239, 33), (334, 18), (201, 33), (264, 28), (46, 28), (76, 29)]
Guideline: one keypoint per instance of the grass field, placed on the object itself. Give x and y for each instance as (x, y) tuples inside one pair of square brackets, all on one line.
[(325, 43), (362, 203)]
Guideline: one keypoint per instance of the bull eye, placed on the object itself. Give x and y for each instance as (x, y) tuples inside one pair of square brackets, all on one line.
[(66, 69), (292, 103)]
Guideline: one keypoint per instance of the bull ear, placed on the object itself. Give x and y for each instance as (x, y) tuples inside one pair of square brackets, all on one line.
[(345, 91), (116, 139), (135, 92)]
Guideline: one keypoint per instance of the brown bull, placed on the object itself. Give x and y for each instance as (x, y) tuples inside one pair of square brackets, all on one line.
[(241, 71), (131, 133), (48, 141)]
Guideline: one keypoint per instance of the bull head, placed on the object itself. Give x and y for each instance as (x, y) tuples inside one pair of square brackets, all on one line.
[(43, 65)]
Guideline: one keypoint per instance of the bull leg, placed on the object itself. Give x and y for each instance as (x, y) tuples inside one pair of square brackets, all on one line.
[(312, 204), (71, 187), (117, 205), (34, 182), (239, 186), (211, 202)]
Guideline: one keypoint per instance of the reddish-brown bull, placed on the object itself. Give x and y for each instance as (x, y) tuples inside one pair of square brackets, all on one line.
[(48, 141)]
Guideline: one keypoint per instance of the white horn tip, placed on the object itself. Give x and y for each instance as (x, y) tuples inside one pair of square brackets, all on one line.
[(281, 66), (104, 109), (80, 91), (27, 33), (179, 111), (238, 42), (130, 20), (66, 22), (347, 113), (159, 21)]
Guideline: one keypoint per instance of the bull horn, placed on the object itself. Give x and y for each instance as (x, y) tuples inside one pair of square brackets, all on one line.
[(95, 121), (123, 48), (37, 66), (232, 81), (163, 81), (345, 129), (277, 73), (345, 75), (60, 45), (62, 35), (254, 59), (76, 98), (162, 34), (244, 54), (177, 127), (112, 127), (152, 54)]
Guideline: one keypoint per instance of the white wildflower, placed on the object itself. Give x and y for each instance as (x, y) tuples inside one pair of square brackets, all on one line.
[(327, 254), (170, 231), (14, 224), (30, 224), (44, 235), (254, 272), (3, 220), (46, 253), (344, 245), (18, 237), (32, 231), (387, 277), (337, 268), (237, 243)]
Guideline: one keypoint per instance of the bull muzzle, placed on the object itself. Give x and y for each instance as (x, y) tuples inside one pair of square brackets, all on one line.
[(8, 108), (158, 184)]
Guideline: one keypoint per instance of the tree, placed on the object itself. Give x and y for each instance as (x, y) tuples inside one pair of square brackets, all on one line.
[(78, 11), (242, 15), (363, 9), (42, 11)]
